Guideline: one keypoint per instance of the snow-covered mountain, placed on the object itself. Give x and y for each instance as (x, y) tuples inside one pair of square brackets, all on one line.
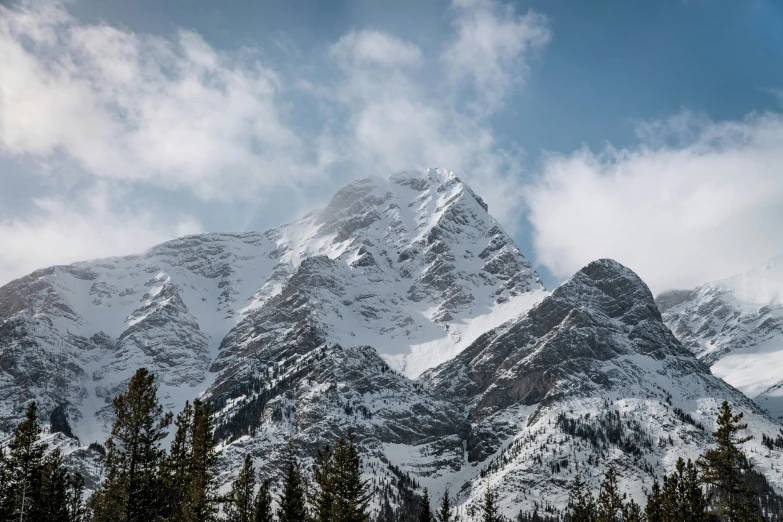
[(411, 264), (735, 326), (401, 310)]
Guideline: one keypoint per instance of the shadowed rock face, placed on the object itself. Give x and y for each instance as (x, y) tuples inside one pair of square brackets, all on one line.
[(299, 333), (735, 326), (584, 340)]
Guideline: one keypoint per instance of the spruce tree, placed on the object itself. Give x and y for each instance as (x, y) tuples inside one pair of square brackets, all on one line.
[(489, 508), (444, 512), (5, 487), (262, 506), (581, 507), (723, 470), (200, 504), (425, 513), (54, 490), (682, 498), (177, 465), (240, 507), (133, 490), (632, 512), (292, 500), (26, 467), (609, 507), (351, 498), (653, 511), (77, 511), (322, 494)]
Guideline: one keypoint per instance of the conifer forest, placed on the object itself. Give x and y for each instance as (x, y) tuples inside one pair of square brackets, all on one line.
[(143, 481)]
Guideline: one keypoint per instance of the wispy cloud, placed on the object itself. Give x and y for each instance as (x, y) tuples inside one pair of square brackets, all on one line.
[(136, 110), (90, 224)]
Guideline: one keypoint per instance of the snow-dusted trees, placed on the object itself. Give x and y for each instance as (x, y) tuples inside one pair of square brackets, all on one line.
[(35, 486)]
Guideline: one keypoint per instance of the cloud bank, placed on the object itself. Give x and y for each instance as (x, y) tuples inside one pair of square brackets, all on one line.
[(693, 201), (177, 114)]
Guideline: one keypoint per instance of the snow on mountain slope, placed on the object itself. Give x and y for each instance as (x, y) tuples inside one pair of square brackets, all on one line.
[(411, 263), (592, 358), (515, 410), (401, 310), (735, 326)]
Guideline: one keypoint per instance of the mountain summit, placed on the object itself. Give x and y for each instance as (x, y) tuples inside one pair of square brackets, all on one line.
[(401, 311), (411, 264)]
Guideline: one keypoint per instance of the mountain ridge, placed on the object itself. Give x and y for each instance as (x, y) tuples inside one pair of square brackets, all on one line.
[(402, 311)]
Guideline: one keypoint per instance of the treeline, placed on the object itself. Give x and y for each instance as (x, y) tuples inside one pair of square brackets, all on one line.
[(720, 486), (143, 482), (35, 486)]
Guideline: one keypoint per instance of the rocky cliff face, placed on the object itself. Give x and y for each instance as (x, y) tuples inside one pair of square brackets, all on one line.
[(735, 326), (401, 311)]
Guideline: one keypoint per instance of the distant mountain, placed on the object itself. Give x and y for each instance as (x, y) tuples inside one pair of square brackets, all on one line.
[(735, 326), (402, 310)]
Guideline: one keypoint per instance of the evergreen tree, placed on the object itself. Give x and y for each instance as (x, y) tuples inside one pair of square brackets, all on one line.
[(581, 507), (351, 498), (75, 498), (54, 489), (26, 466), (200, 504), (632, 512), (425, 513), (322, 495), (653, 510), (292, 500), (723, 470), (489, 509), (609, 507), (5, 487), (240, 507), (682, 499), (444, 512), (133, 490), (262, 506), (177, 464)]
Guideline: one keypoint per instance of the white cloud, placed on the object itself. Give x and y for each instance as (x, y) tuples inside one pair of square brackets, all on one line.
[(374, 49), (95, 223), (173, 112), (491, 48), (403, 112), (704, 206)]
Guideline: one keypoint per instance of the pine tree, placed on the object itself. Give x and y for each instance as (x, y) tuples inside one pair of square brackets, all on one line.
[(262, 506), (351, 498), (26, 463), (653, 510), (133, 490), (682, 498), (201, 501), (322, 495), (77, 512), (240, 508), (5, 487), (292, 500), (177, 464), (444, 512), (581, 507), (54, 489), (489, 509), (609, 507), (723, 470), (632, 512), (425, 513)]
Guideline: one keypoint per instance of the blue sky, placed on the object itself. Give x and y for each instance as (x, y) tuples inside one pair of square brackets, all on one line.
[(645, 131)]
